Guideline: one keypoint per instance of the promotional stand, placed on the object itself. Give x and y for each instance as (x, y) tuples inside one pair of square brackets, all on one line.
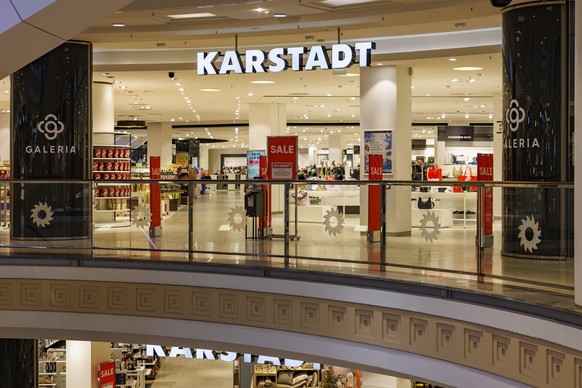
[(155, 198), (374, 205), (485, 173), (282, 165)]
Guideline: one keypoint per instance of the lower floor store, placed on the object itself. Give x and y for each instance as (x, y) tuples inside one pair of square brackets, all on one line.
[(126, 365)]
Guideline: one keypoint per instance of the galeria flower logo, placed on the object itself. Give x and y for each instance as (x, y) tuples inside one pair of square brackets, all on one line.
[(514, 115), (50, 127)]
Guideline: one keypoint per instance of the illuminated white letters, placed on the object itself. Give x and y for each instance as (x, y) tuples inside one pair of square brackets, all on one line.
[(201, 354), (279, 59), (342, 56), (204, 62), (317, 58)]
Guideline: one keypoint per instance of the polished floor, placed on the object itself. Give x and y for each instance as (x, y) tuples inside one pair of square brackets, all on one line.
[(220, 233)]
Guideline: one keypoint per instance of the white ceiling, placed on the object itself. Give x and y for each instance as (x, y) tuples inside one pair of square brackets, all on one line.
[(144, 91)]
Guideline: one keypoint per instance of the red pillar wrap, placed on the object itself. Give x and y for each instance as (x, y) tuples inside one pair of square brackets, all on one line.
[(374, 206), (155, 195), (485, 173)]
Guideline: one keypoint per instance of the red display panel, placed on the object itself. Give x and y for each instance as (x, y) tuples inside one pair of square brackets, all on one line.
[(485, 173), (155, 195), (106, 372), (282, 157), (374, 205)]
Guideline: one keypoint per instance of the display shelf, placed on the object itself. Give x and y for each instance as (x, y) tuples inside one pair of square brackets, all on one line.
[(452, 202), (111, 166)]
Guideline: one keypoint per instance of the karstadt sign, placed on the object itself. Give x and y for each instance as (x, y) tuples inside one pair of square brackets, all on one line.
[(280, 59), (207, 354)]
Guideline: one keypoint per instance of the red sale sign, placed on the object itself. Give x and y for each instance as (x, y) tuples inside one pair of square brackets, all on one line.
[(282, 157), (485, 173), (106, 371), (155, 195), (374, 206)]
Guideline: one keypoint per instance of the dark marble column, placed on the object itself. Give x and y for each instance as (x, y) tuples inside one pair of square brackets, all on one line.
[(537, 134), (51, 138), (19, 363)]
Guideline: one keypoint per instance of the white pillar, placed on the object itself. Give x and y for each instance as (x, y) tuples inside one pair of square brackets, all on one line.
[(5, 146), (103, 107), (203, 160), (267, 120), (336, 153), (385, 103), (83, 357), (578, 153), (160, 142)]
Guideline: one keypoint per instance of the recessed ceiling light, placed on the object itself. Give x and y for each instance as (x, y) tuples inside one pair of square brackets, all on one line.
[(210, 90), (262, 82), (452, 59), (118, 25), (468, 68), (455, 80), (466, 98), (192, 15), (279, 15)]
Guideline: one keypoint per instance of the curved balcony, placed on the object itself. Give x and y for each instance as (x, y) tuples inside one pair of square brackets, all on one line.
[(308, 289)]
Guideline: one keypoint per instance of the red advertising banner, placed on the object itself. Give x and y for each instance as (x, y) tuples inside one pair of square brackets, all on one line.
[(265, 221), (374, 198), (106, 371), (282, 157), (485, 173), (155, 195), (263, 166)]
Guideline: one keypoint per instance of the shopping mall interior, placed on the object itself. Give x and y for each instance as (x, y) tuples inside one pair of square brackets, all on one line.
[(202, 193)]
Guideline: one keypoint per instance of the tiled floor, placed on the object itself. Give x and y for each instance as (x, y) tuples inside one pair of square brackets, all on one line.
[(219, 236)]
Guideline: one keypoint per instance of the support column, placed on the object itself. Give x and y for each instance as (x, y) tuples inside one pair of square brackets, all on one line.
[(385, 103), (267, 120), (19, 363), (160, 142), (83, 357), (4, 134), (103, 107), (537, 223), (578, 151), (50, 134), (336, 153), (497, 153)]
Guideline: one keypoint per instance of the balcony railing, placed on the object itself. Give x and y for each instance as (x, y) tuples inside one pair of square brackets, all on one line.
[(515, 232)]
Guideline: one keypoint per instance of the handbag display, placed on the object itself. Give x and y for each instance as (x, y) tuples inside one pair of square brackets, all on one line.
[(457, 172), (428, 204), (468, 176), (434, 173)]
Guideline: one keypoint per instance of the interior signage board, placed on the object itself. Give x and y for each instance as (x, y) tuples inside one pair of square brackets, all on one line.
[(282, 157), (379, 143), (374, 193), (106, 373), (50, 139), (280, 59), (254, 163), (485, 173), (459, 133), (207, 354)]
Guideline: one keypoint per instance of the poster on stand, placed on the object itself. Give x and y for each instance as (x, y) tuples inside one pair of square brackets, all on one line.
[(374, 205), (106, 372), (155, 194), (379, 143), (282, 157), (485, 173), (254, 163)]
